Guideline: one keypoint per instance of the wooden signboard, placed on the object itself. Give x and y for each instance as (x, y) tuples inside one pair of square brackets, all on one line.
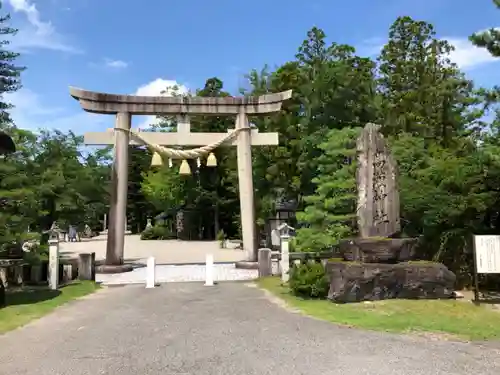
[(486, 258)]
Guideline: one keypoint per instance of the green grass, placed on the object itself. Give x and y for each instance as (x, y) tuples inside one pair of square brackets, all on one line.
[(29, 303), (461, 319)]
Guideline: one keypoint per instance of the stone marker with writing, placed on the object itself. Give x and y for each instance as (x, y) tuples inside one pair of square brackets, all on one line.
[(378, 195)]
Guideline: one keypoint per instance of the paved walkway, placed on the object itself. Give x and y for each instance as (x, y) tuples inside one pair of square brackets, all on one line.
[(165, 252), (228, 329)]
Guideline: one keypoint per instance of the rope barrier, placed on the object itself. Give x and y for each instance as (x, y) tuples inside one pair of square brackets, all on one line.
[(186, 154)]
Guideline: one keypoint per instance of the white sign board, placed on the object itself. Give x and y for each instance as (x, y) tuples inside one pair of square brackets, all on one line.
[(487, 253)]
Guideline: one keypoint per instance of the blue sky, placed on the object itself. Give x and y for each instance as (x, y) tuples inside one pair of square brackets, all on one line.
[(121, 46)]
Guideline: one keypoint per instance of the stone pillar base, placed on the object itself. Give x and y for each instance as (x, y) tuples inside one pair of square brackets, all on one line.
[(111, 268), (246, 265)]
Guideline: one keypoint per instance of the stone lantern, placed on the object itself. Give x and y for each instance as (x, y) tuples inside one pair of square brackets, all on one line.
[(7, 145)]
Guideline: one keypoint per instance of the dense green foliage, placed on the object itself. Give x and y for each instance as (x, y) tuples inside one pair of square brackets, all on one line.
[(49, 179), (158, 232), (431, 113)]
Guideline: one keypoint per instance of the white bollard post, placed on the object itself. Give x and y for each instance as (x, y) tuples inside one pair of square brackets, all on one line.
[(151, 273), (209, 270), (285, 257), (53, 273)]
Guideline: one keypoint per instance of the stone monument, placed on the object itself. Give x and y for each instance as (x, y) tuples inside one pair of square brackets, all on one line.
[(378, 264), (378, 195)]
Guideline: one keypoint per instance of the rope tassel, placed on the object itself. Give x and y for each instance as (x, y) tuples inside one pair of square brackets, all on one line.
[(185, 169), (156, 160), (211, 160)]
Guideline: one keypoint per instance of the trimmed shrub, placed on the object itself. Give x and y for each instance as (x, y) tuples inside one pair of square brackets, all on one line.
[(158, 232), (309, 280)]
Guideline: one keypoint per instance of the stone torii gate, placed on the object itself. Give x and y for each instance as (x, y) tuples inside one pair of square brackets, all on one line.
[(124, 106)]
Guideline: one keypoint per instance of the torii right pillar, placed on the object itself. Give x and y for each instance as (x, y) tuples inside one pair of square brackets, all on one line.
[(245, 169), (125, 106), (245, 182)]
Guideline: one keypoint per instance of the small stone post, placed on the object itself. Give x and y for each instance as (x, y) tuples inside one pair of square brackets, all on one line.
[(53, 264), (3, 277), (36, 274), (86, 266), (284, 230), (265, 262), (209, 270), (18, 275), (151, 277), (67, 272)]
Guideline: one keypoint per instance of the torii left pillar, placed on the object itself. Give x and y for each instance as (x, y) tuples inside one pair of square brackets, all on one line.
[(119, 186)]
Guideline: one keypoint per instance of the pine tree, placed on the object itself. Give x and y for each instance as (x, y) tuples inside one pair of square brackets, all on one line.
[(14, 195), (489, 39), (331, 212), (10, 73)]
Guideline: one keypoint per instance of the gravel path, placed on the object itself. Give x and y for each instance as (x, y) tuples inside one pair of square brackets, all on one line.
[(165, 252), (186, 328), (179, 273)]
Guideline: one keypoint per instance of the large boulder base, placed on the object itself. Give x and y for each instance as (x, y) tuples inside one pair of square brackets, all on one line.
[(378, 250), (356, 282)]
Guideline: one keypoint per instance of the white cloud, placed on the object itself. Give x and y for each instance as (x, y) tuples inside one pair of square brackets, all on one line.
[(26, 100), (107, 63), (30, 112), (80, 122), (115, 64), (28, 108), (466, 55), (37, 34), (159, 87)]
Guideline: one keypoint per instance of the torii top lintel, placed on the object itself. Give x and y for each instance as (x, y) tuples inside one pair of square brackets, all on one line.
[(97, 102)]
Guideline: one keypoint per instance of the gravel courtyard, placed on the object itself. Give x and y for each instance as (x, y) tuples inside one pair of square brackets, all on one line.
[(186, 328), (165, 252)]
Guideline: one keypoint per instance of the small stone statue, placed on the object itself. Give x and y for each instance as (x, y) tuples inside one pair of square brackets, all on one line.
[(87, 231), (72, 234), (148, 224), (54, 227)]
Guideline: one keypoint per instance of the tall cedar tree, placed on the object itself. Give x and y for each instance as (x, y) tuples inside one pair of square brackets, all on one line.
[(489, 39), (14, 197), (423, 92)]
